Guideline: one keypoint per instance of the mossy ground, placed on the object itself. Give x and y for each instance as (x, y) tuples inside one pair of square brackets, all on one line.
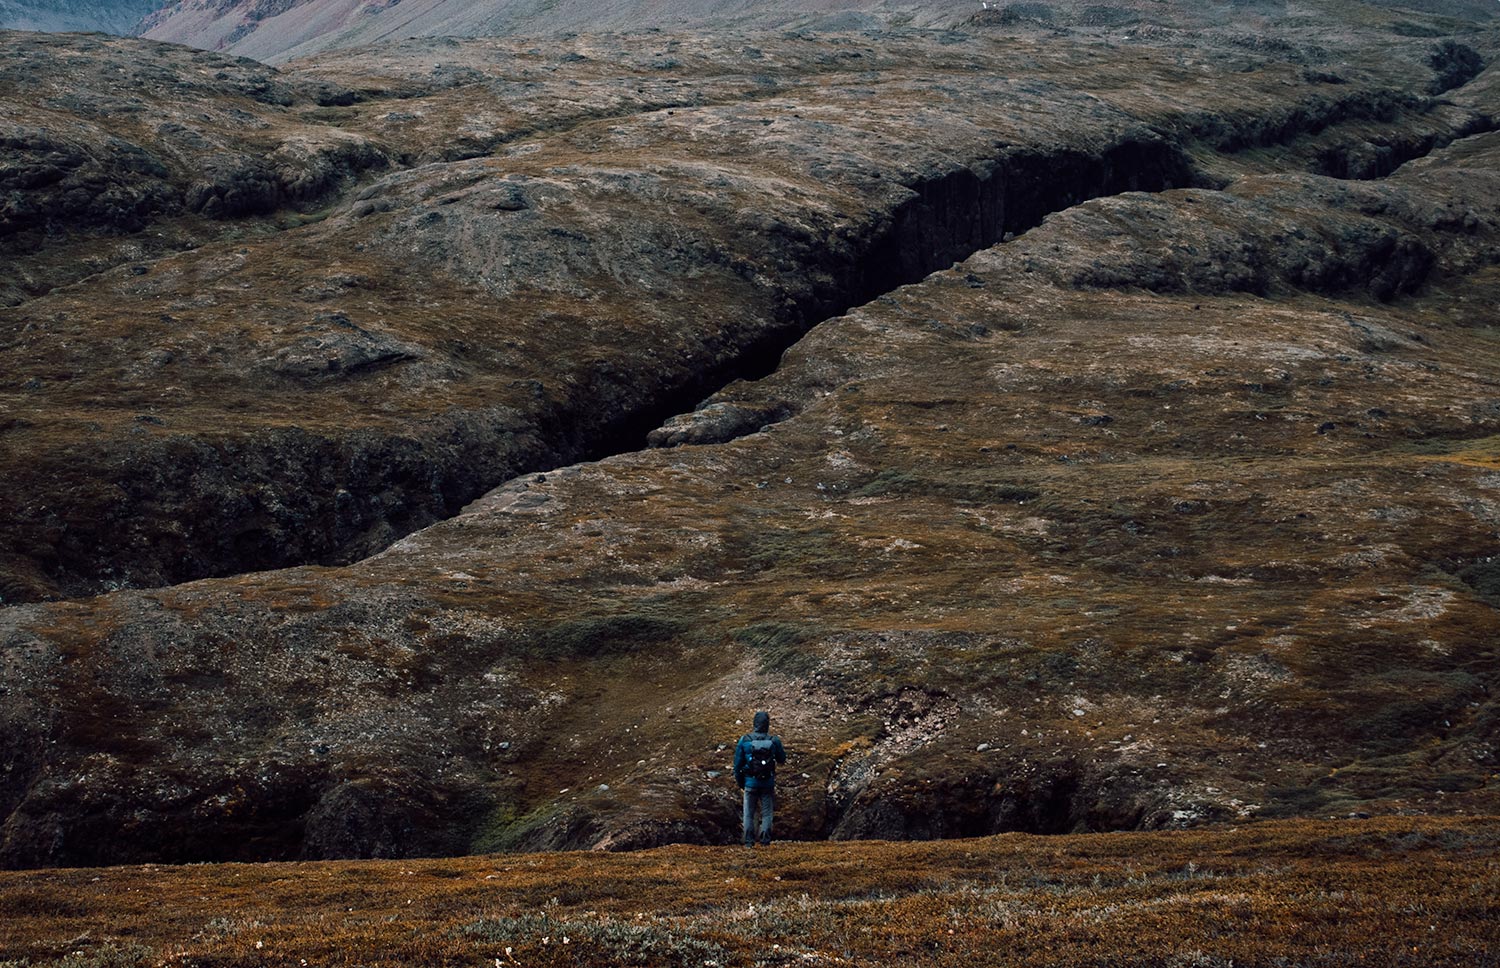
[(1386, 892)]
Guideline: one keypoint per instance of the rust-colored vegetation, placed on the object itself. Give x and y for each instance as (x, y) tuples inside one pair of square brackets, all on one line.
[(1391, 891)]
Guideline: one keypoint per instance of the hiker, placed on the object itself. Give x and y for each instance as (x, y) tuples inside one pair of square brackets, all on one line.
[(755, 760)]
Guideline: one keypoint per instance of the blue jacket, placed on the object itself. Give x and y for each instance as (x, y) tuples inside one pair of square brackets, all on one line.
[(742, 762)]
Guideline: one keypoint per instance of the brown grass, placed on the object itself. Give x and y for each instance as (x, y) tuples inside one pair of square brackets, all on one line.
[(1390, 891)]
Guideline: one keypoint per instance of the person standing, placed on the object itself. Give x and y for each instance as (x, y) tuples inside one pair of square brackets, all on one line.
[(755, 761)]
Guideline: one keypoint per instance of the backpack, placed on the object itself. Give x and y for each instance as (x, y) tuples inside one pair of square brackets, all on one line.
[(762, 758)]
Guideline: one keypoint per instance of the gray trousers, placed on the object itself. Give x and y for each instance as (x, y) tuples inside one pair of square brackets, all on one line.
[(766, 801)]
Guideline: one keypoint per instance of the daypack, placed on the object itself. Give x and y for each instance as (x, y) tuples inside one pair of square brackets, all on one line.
[(762, 758)]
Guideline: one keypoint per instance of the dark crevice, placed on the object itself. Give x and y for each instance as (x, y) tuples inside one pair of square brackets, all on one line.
[(1394, 265), (947, 219), (1058, 797), (1453, 65), (1375, 159), (1233, 133), (1309, 131)]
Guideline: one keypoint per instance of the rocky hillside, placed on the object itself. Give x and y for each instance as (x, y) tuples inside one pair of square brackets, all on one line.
[(1072, 433), (108, 16), (279, 30)]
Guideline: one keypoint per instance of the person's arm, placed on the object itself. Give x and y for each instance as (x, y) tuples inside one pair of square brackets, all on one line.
[(739, 763), (780, 751)]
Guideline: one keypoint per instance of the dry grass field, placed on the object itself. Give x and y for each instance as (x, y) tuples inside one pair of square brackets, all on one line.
[(1386, 891)]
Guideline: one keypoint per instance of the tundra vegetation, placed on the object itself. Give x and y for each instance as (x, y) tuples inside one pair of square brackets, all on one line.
[(1386, 891)]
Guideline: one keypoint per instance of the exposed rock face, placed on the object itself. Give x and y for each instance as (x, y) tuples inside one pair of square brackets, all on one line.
[(1173, 500)]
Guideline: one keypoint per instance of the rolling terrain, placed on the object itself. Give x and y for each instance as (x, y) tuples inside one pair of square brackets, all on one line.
[(444, 447)]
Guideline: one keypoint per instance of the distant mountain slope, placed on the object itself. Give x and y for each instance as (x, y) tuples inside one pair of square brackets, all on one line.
[(279, 30), (110, 16), (218, 25), (276, 30)]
